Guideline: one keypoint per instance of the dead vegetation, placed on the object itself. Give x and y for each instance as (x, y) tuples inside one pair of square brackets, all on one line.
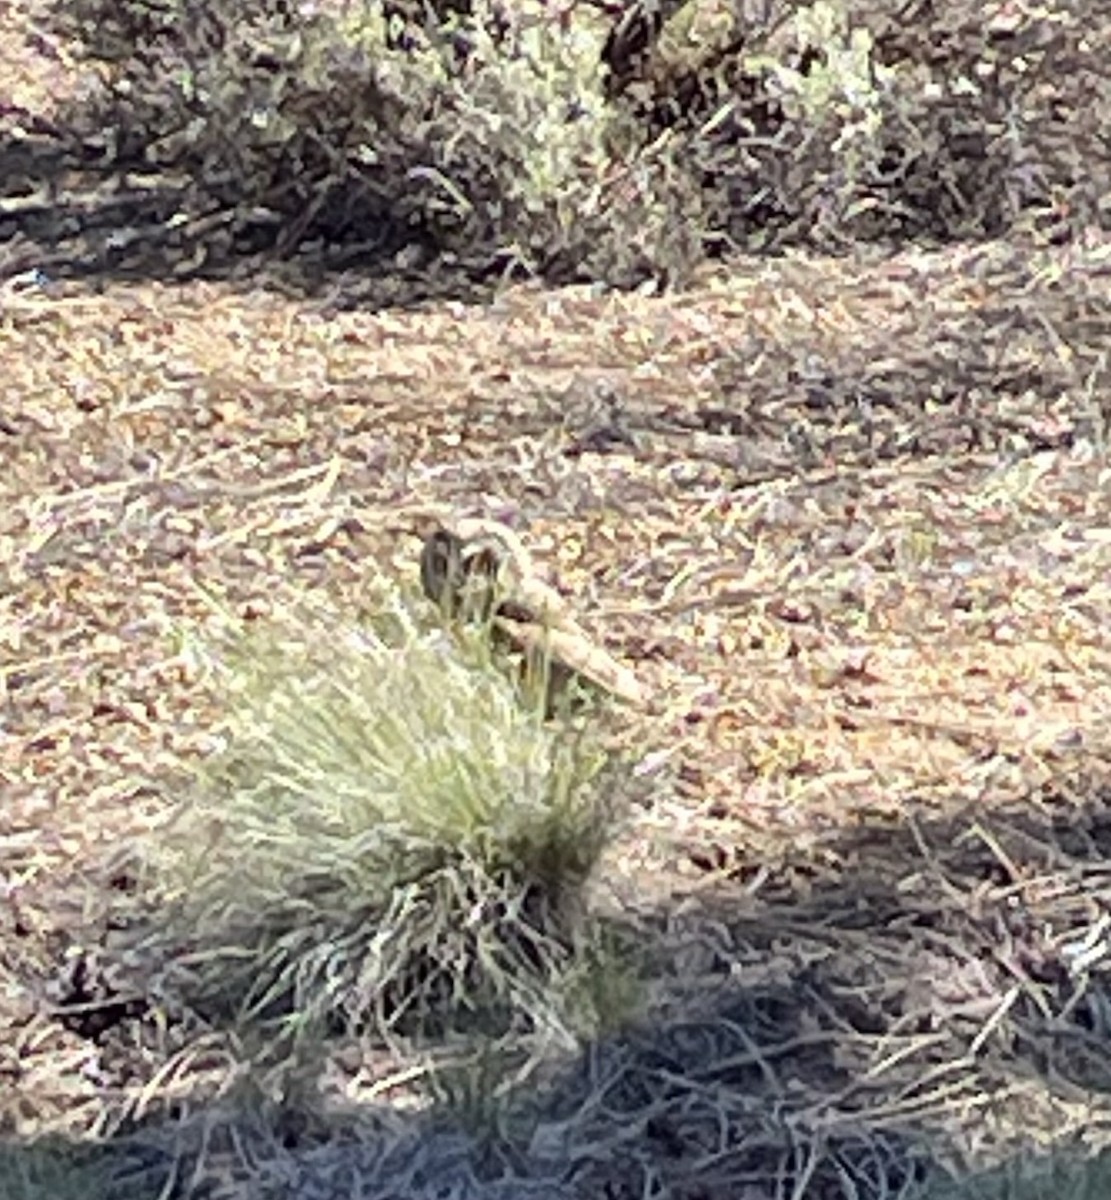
[(850, 520)]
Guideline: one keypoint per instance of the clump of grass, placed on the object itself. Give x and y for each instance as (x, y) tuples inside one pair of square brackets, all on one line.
[(388, 840)]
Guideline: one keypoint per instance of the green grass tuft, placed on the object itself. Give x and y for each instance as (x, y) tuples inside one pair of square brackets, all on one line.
[(390, 839)]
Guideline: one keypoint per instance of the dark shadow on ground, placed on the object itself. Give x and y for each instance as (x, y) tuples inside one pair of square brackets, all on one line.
[(840, 1024), (72, 219), (1058, 1177), (409, 1165)]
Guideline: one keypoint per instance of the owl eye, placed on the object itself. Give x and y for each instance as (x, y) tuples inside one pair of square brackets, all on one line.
[(483, 561), (439, 566)]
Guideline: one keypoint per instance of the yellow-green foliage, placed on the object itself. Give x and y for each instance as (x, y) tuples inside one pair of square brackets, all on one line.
[(519, 133), (842, 93), (845, 81), (386, 833)]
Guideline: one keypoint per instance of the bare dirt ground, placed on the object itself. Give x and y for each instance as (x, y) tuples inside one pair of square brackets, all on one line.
[(852, 525), (850, 522)]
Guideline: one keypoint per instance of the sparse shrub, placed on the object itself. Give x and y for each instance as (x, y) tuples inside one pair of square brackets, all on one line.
[(839, 96), (484, 140), (846, 121), (487, 145), (521, 168)]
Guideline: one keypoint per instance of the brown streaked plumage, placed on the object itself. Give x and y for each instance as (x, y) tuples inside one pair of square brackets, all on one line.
[(478, 570)]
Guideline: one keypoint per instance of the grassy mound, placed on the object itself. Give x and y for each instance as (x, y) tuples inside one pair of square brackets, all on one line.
[(390, 840)]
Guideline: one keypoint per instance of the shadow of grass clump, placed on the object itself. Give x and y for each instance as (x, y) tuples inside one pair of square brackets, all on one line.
[(53, 1168), (871, 1028), (389, 842), (1055, 1177)]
